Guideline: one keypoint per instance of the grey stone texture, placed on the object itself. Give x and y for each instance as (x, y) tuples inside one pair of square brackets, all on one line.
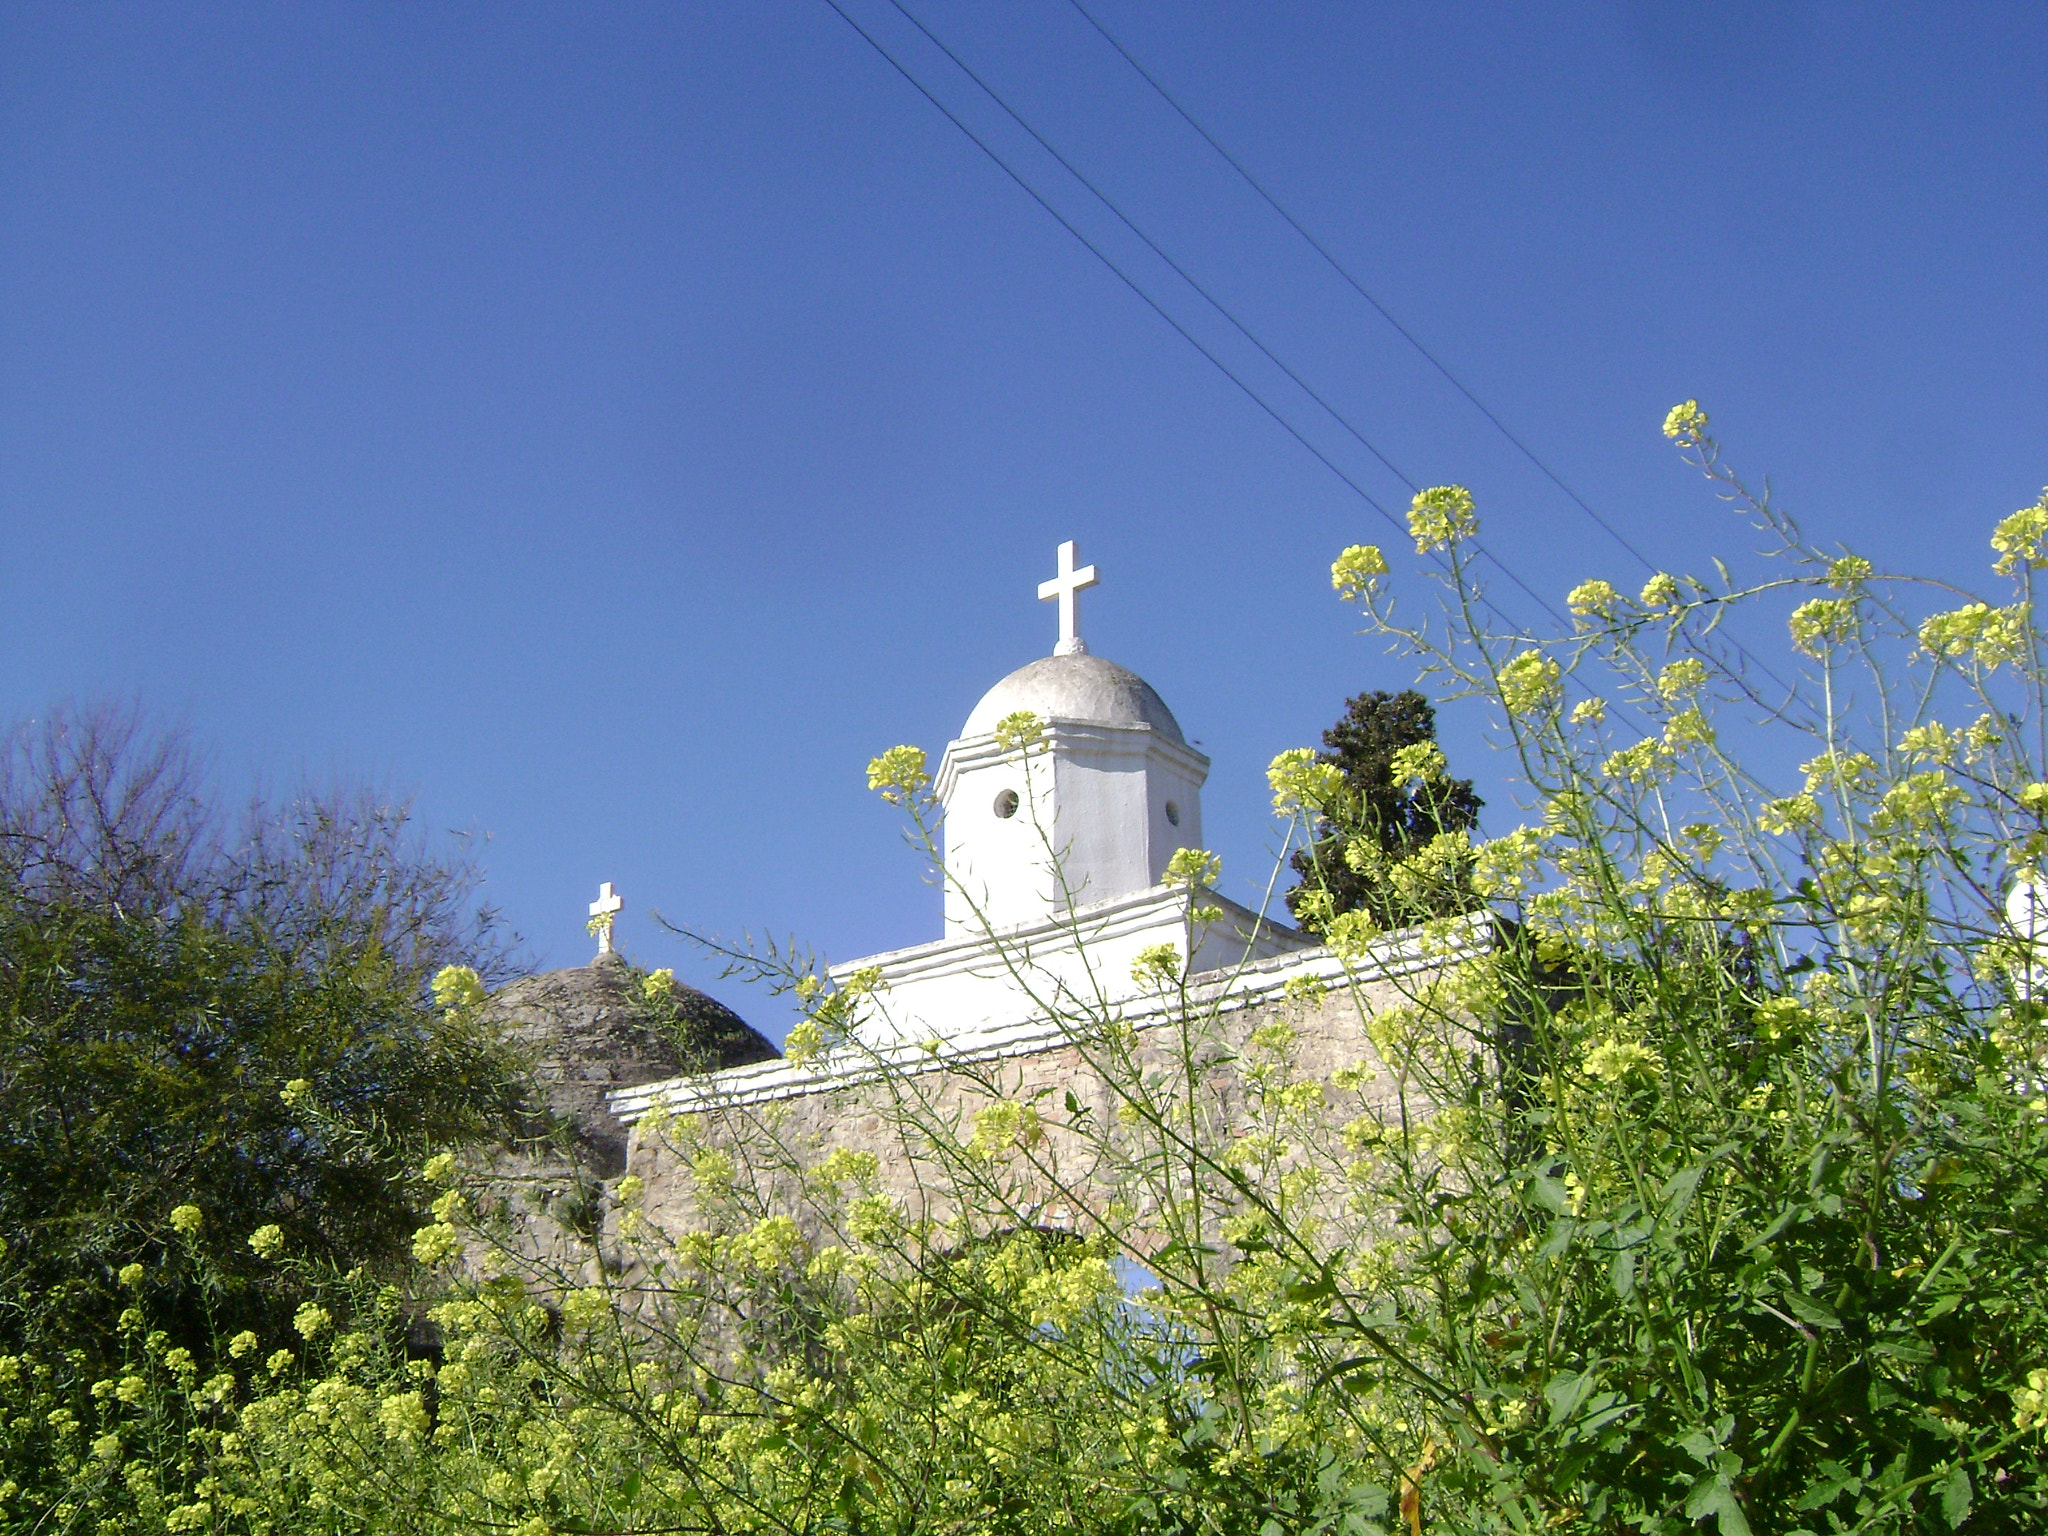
[(773, 1143), (588, 1032), (591, 1031)]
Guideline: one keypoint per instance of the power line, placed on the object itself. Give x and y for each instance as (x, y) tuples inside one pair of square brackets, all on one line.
[(1152, 245), (1109, 262), (1157, 308), (1359, 288), (1387, 315), (1213, 302)]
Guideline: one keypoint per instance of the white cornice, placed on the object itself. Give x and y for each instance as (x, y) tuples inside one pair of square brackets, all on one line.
[(1387, 958), (1070, 738)]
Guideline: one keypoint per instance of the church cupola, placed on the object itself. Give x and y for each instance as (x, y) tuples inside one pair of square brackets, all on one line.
[(1091, 810)]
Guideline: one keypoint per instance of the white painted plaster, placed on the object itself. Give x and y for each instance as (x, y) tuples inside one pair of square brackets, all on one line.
[(1091, 822), (1387, 958)]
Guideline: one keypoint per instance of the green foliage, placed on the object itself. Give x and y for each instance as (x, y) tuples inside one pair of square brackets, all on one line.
[(236, 1027), (1382, 820), (706, 1033), (1702, 1183)]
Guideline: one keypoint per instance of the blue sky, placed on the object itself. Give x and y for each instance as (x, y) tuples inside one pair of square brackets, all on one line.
[(613, 424)]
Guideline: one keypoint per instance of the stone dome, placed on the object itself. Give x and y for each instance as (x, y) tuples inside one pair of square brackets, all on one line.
[(590, 1031), (1078, 687)]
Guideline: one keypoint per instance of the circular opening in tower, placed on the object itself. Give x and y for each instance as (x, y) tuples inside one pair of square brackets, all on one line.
[(1172, 814), (1006, 804)]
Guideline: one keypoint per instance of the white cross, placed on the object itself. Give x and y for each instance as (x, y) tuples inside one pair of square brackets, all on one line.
[(607, 906), (1066, 587)]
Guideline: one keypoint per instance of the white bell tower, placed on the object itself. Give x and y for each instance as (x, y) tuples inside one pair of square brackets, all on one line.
[(1092, 809)]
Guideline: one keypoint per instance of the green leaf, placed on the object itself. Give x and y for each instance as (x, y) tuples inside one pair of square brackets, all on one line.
[(1834, 1480), (1621, 1274), (1810, 1309), (1567, 1394), (1677, 1193), (1713, 1496), (1700, 1445), (1312, 1290), (1955, 1497)]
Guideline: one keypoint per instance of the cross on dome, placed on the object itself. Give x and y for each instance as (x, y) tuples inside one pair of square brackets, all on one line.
[(1067, 588), (607, 906)]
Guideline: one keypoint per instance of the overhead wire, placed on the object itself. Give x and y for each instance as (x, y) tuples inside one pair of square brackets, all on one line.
[(1108, 261), (1414, 341), (1129, 281), (1359, 288), (1209, 298), (1150, 244)]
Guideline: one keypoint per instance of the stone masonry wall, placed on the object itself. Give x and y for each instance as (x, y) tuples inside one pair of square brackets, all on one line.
[(771, 1143)]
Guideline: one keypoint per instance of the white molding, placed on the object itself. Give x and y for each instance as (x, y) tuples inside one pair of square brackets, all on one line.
[(1386, 958)]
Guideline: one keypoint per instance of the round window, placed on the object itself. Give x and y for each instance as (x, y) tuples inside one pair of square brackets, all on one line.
[(1006, 804), (1172, 814)]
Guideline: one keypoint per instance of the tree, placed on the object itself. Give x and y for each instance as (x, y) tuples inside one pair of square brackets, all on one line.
[(1755, 1235), (1394, 804), (218, 1026)]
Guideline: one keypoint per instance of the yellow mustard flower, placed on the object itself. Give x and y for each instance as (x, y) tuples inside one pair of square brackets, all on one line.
[(1302, 782), (436, 1243), (1933, 743), (1354, 571), (1591, 598), (2018, 539), (457, 988), (1848, 572), (312, 1320), (1420, 762), (1529, 682), (1688, 728), (1441, 516), (1156, 965), (898, 774), (1794, 813), (1687, 675), (1821, 622), (1018, 730), (1686, 424), (1991, 636)]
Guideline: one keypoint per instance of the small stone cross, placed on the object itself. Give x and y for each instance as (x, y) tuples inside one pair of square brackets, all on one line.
[(607, 906), (1067, 588)]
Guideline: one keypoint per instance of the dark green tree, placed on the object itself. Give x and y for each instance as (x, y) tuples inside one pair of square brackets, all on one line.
[(230, 1016), (1380, 823)]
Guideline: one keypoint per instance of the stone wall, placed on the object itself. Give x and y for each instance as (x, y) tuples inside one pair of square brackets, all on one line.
[(772, 1142), (588, 1032)]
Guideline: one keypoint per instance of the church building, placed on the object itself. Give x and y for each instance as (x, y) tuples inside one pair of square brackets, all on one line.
[(1056, 845)]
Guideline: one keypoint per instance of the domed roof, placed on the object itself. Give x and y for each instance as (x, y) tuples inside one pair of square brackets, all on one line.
[(1076, 687), (593, 1030)]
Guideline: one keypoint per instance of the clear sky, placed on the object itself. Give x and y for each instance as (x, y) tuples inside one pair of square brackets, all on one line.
[(614, 423)]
